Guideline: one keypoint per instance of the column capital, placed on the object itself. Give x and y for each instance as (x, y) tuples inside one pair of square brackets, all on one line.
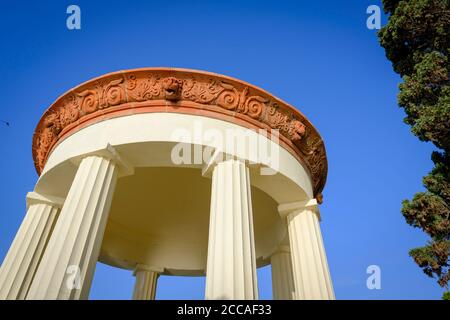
[(297, 207), (282, 249), (209, 165), (143, 267), (109, 153), (146, 280), (37, 198), (219, 156)]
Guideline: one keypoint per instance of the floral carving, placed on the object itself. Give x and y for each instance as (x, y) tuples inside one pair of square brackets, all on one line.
[(102, 95), (143, 89), (229, 98), (278, 120), (89, 101), (165, 84), (200, 92), (51, 129), (70, 112), (115, 94), (254, 106), (314, 151)]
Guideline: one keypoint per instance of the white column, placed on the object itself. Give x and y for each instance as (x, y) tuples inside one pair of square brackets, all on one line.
[(312, 279), (22, 259), (282, 277), (231, 265), (68, 264), (146, 280)]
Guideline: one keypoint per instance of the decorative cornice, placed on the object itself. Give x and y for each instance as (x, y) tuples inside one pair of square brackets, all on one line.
[(207, 93)]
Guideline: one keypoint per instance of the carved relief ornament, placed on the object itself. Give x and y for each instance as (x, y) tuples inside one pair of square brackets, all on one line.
[(176, 86)]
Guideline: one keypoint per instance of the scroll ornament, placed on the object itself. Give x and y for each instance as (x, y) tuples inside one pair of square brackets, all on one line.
[(118, 89)]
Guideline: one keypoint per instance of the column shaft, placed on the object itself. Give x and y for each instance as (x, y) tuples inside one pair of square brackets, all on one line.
[(310, 268), (68, 264), (145, 286), (22, 259), (231, 265), (282, 276)]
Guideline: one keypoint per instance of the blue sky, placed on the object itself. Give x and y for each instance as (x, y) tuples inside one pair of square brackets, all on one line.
[(317, 55)]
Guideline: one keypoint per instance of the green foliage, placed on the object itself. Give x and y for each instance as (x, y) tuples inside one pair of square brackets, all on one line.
[(417, 40), (415, 28), (425, 96), (446, 295), (433, 259)]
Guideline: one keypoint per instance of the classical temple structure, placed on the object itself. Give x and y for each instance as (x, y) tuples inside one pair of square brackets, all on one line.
[(166, 171)]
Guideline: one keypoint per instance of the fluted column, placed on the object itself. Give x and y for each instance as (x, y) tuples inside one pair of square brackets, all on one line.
[(282, 277), (21, 261), (68, 264), (146, 280), (231, 265), (312, 279)]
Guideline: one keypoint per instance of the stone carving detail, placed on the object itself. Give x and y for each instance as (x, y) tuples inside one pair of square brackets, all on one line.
[(313, 149), (147, 88), (46, 137), (102, 95), (172, 88), (71, 112), (213, 92), (201, 92), (145, 85)]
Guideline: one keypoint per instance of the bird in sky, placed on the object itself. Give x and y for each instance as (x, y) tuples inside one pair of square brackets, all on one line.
[(5, 122)]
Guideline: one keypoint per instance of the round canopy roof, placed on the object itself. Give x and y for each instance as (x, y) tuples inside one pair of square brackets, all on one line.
[(181, 91)]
